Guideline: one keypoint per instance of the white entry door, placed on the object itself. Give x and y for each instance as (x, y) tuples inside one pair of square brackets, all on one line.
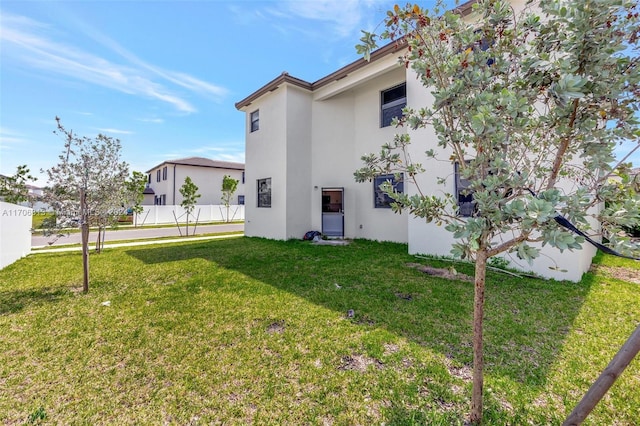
[(333, 212)]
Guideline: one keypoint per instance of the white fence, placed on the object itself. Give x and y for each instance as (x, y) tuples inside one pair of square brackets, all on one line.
[(157, 215), (15, 232)]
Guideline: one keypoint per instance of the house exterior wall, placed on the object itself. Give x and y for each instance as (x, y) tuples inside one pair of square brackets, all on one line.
[(346, 125), (344, 117), (298, 162), (15, 232), (207, 179), (266, 153)]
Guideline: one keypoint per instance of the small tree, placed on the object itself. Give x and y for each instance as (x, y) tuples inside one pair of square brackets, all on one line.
[(530, 106), (13, 189), (190, 196), (134, 193), (86, 185), (229, 186)]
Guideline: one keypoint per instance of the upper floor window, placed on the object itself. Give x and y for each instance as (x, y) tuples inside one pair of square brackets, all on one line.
[(255, 120), (158, 176), (149, 178), (391, 103), (164, 173), (242, 177), (380, 198), (466, 206)]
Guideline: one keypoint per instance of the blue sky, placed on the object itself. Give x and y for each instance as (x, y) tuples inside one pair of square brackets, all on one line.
[(161, 76)]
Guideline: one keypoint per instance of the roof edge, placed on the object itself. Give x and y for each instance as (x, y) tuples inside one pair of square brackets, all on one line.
[(464, 9), (273, 85), (183, 162)]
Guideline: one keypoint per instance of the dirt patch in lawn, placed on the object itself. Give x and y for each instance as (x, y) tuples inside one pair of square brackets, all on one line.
[(448, 273), (620, 273), (359, 363)]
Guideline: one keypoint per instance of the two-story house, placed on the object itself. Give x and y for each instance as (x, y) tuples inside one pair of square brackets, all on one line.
[(305, 140), (166, 179)]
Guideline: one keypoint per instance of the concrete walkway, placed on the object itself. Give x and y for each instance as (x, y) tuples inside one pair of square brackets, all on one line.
[(38, 241), (140, 243)]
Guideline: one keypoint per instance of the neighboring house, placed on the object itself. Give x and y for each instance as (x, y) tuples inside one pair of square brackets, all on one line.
[(166, 179), (305, 140)]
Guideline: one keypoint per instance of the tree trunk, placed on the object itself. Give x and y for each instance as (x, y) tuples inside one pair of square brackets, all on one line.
[(98, 240), (478, 316), (600, 387), (84, 223)]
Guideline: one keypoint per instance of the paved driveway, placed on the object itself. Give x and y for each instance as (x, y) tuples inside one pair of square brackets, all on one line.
[(133, 234)]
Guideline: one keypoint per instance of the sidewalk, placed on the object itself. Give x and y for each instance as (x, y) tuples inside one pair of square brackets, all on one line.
[(139, 243), (118, 235)]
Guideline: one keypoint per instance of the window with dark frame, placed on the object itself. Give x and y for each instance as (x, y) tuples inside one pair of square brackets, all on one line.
[(264, 192), (242, 177), (382, 200), (392, 101), (255, 120), (158, 176), (164, 173), (464, 196), (241, 200)]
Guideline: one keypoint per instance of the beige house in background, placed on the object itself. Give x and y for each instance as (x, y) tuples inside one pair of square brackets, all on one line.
[(165, 179), (304, 141)]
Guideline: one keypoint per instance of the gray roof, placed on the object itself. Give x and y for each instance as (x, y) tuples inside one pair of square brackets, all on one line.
[(202, 162)]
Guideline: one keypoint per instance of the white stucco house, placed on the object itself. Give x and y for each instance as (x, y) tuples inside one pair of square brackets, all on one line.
[(305, 140), (165, 180)]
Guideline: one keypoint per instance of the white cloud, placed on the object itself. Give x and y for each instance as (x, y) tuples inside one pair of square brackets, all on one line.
[(29, 42), (116, 131), (342, 18), (151, 120), (9, 137), (335, 19)]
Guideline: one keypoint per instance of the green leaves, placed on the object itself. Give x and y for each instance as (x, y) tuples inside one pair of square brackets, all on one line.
[(535, 103), (568, 87), (368, 44), (189, 192), (13, 189)]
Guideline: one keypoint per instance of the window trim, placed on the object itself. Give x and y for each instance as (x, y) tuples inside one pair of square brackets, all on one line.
[(380, 199), (391, 104), (254, 121), (263, 199)]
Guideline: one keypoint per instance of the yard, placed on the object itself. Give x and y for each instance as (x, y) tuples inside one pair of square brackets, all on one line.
[(255, 331)]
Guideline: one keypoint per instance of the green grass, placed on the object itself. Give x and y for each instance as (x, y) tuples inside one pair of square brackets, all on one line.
[(39, 217), (255, 331)]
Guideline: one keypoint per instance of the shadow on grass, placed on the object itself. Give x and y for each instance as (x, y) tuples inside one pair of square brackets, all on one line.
[(17, 300), (526, 319)]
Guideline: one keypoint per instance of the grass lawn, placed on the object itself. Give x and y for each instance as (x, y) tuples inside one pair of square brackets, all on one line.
[(255, 331)]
